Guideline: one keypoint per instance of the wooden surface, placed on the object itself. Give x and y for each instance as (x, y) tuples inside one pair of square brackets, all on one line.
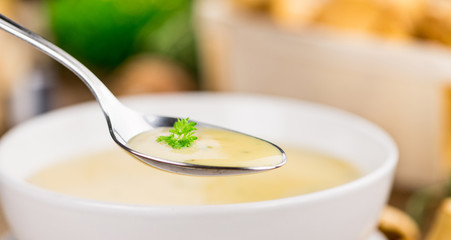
[(16, 60), (3, 224)]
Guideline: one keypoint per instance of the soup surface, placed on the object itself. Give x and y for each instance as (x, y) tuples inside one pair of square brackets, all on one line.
[(114, 176), (214, 147)]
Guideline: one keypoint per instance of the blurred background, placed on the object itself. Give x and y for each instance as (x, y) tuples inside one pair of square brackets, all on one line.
[(387, 61)]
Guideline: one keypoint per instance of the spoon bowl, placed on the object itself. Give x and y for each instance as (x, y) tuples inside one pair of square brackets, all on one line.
[(151, 122), (124, 123)]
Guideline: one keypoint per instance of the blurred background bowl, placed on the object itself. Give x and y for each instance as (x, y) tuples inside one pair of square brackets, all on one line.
[(402, 85)]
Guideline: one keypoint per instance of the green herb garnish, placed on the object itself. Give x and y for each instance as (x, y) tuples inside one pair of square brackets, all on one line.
[(181, 134)]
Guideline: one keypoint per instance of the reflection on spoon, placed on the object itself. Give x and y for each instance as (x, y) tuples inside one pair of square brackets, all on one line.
[(124, 124)]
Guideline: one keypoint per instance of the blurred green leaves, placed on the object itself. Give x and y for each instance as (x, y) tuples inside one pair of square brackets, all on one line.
[(103, 33)]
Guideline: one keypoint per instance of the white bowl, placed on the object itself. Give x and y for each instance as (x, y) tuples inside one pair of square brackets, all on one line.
[(346, 212)]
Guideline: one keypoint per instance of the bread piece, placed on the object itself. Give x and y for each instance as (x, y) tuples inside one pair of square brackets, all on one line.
[(436, 24), (387, 18), (441, 226), (295, 13), (145, 74), (252, 5), (395, 224)]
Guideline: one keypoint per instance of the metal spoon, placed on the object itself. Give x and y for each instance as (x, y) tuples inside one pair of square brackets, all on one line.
[(124, 123)]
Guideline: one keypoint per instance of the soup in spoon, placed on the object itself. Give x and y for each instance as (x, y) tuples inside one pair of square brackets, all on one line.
[(212, 147)]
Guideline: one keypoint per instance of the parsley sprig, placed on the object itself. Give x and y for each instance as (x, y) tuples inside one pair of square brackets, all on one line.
[(181, 135)]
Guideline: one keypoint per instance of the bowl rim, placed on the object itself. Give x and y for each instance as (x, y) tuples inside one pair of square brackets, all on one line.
[(59, 199)]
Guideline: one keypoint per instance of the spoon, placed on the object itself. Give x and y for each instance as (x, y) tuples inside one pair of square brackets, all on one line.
[(124, 123)]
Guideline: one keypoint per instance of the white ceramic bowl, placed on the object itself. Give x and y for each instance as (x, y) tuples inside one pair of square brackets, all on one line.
[(346, 212)]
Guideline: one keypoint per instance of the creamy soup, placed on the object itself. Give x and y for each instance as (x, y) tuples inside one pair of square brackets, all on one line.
[(114, 176), (213, 147)]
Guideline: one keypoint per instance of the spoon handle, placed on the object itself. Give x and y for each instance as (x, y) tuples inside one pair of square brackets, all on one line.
[(106, 99)]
